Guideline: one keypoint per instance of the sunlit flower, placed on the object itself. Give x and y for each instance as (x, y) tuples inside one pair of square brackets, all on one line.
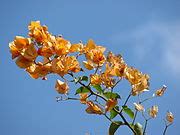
[(153, 111), (161, 91), (94, 53), (18, 46), (169, 117), (107, 80), (134, 76), (139, 107), (83, 98), (76, 47), (62, 65), (30, 53), (139, 81), (47, 50), (95, 79), (93, 108), (23, 62), (38, 70), (38, 32), (110, 104), (88, 65), (61, 87), (62, 46)]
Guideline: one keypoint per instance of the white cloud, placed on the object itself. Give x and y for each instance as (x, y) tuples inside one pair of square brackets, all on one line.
[(156, 40)]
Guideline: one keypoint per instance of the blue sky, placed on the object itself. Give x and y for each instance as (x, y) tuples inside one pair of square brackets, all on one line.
[(146, 33)]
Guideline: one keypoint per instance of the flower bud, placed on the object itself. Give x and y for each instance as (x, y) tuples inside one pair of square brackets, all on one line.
[(169, 117), (139, 107), (161, 91), (153, 111), (61, 87)]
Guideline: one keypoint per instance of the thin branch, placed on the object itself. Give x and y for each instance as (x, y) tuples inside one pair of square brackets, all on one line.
[(135, 115), (65, 99), (166, 127), (140, 102), (110, 119), (126, 101), (102, 97), (145, 126), (146, 122)]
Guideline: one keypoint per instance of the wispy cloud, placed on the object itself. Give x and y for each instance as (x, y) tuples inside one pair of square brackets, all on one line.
[(154, 40)]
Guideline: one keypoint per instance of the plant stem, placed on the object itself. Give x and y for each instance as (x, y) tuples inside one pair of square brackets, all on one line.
[(120, 114), (145, 126), (126, 102), (165, 129), (135, 116)]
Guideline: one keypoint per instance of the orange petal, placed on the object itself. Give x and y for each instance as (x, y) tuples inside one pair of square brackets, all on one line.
[(23, 62)]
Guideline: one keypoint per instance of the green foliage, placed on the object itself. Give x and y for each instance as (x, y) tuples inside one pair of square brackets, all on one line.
[(81, 78), (98, 88), (113, 113), (82, 90), (109, 95), (138, 128), (128, 111), (114, 126)]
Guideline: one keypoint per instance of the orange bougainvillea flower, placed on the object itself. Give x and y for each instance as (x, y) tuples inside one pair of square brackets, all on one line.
[(88, 65), (161, 91), (139, 107), (93, 108), (95, 79), (83, 98), (153, 111), (61, 87), (18, 46), (30, 53), (169, 117), (38, 32), (39, 70), (62, 65), (94, 53), (139, 81), (61, 46), (107, 80), (96, 56), (115, 65), (110, 104), (76, 48), (133, 75), (23, 62), (142, 86)]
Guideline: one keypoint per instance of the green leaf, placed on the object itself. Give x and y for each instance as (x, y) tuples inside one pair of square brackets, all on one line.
[(138, 128), (82, 90), (84, 78), (98, 88), (109, 95), (81, 78), (113, 113), (128, 111), (114, 126)]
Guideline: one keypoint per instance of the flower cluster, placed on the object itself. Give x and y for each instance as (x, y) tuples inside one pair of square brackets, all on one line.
[(42, 53)]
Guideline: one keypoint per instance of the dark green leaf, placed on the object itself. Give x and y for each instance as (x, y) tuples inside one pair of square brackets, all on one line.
[(84, 78), (138, 128), (109, 95), (114, 126), (81, 78), (113, 113), (98, 88), (82, 90), (128, 111)]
